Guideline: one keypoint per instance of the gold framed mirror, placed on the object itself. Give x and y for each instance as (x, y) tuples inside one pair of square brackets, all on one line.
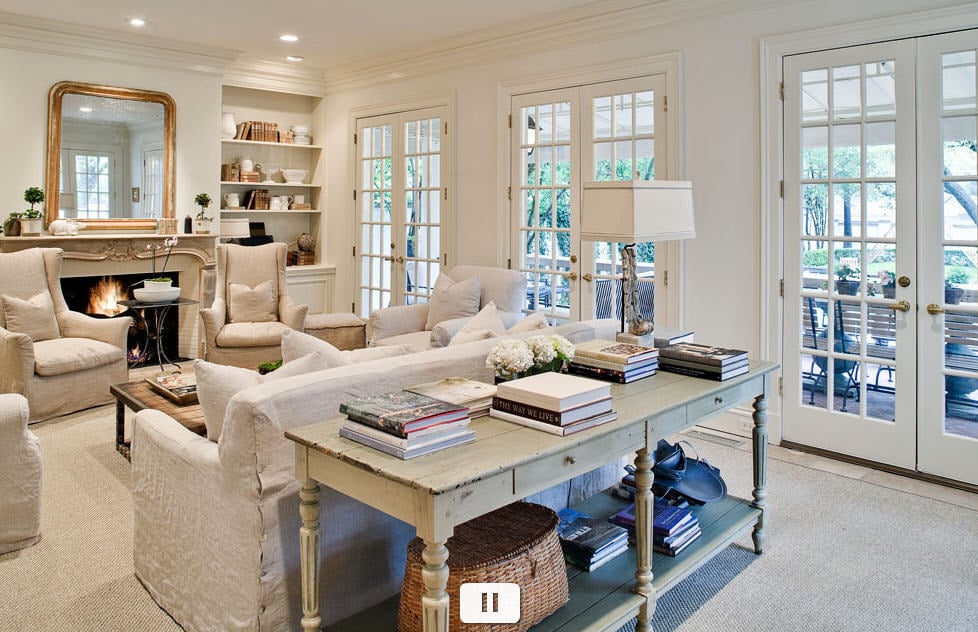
[(110, 156)]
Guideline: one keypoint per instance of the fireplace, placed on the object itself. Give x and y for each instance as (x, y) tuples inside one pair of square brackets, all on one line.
[(98, 296)]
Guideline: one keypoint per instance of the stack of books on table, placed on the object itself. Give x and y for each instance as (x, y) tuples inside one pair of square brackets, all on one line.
[(554, 402), (405, 424), (714, 363), (674, 526), (615, 361), (474, 395), (588, 542)]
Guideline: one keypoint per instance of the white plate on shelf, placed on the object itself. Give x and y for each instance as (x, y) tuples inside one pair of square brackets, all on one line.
[(156, 296)]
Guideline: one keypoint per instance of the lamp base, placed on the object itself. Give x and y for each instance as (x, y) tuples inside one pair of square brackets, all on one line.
[(648, 340)]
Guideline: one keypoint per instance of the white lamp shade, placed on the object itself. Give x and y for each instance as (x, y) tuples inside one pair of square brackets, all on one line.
[(235, 228), (637, 210)]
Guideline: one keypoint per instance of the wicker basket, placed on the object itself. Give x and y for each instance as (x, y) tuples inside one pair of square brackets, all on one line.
[(518, 544)]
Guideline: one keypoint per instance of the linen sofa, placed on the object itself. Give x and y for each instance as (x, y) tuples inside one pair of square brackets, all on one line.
[(414, 325), (216, 524)]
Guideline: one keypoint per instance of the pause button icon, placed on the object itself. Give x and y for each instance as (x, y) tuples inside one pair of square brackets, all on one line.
[(489, 603)]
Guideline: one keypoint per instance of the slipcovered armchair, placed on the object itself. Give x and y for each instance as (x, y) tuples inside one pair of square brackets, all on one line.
[(20, 476), (61, 361), (458, 293), (251, 306)]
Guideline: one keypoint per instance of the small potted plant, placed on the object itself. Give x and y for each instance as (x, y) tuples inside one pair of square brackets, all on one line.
[(847, 280), (887, 280), (31, 220), (11, 225), (952, 293), (201, 221)]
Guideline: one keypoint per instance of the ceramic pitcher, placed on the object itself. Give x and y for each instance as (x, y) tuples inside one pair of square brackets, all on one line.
[(232, 200)]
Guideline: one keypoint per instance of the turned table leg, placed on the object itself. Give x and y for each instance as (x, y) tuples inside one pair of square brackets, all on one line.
[(434, 603), (643, 538), (760, 470), (309, 550)]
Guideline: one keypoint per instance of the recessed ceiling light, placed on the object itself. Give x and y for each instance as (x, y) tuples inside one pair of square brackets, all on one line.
[(85, 109), (296, 58), (137, 22), (289, 38)]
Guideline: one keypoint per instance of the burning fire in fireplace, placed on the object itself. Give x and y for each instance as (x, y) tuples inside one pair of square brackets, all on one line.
[(103, 298)]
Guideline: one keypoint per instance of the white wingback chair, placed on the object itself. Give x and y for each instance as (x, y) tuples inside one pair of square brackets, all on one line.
[(412, 324), (62, 361), (20, 476), (251, 306)]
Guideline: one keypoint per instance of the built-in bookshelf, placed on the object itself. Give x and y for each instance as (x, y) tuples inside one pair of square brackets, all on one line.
[(275, 113)]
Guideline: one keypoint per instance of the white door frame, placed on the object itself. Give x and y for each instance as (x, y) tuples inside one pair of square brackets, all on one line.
[(772, 51)]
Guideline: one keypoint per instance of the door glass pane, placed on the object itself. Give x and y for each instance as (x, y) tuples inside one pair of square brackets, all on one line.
[(881, 150), (880, 88), (960, 200), (961, 373), (846, 102), (959, 146), (814, 152), (846, 151), (847, 210), (814, 95), (881, 217), (958, 80)]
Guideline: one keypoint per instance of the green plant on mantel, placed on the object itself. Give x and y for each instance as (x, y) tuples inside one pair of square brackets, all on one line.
[(33, 196), (203, 201)]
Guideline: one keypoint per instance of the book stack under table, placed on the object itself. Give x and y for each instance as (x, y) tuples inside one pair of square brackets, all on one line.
[(554, 402), (614, 361), (405, 424), (674, 526), (697, 360), (587, 542)]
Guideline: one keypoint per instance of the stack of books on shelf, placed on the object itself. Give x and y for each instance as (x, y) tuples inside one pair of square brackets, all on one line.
[(554, 402), (587, 542), (614, 361), (264, 131), (474, 395), (674, 526), (714, 363), (405, 424)]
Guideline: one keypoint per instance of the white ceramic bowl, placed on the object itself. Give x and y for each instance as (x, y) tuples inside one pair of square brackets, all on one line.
[(156, 296), (294, 176), (300, 130)]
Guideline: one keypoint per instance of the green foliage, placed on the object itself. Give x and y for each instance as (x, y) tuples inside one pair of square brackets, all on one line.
[(33, 196), (815, 258), (203, 201), (957, 276), (268, 366), (845, 273)]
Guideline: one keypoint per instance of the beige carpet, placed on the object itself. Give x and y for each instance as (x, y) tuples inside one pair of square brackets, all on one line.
[(842, 554)]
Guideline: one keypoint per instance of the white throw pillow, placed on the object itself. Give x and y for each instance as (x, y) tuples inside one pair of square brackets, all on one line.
[(251, 305), (296, 344), (34, 317), (486, 324), (218, 383), (453, 300), (536, 320)]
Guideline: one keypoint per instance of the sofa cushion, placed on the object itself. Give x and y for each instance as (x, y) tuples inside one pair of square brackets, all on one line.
[(414, 341), (533, 322), (267, 334), (33, 317), (68, 355), (485, 324), (453, 300), (251, 304), (296, 344), (444, 331), (218, 383)]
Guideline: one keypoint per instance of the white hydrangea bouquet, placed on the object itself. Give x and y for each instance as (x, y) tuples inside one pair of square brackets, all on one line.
[(537, 354)]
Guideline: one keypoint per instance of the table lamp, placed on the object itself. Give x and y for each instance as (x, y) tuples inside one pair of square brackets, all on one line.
[(632, 211), (235, 228)]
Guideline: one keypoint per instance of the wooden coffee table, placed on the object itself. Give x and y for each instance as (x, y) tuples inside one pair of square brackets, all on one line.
[(140, 395)]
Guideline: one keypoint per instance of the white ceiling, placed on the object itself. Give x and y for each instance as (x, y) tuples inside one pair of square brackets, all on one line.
[(331, 33)]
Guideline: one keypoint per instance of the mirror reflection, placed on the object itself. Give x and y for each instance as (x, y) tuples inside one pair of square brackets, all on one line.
[(110, 156)]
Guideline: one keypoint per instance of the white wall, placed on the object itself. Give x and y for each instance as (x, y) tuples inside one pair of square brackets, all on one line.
[(722, 148), (26, 77)]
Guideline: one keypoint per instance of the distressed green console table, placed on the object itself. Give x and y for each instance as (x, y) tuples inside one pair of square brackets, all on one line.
[(508, 462)]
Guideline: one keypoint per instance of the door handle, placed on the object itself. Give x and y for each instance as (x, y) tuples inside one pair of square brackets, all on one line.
[(399, 259), (571, 276), (388, 258), (587, 277), (933, 309), (900, 306)]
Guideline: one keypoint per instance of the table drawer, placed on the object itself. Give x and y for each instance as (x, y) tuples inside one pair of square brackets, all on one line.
[(577, 459), (727, 398)]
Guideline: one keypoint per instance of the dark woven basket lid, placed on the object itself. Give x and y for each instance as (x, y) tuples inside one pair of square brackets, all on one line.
[(505, 533)]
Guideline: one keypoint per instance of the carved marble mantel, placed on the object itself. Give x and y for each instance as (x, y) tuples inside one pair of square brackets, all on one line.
[(110, 253)]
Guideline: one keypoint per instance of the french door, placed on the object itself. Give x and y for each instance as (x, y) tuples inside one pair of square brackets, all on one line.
[(880, 175), (560, 138), (402, 207)]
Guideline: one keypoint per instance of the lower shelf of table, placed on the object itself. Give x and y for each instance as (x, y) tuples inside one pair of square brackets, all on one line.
[(603, 599)]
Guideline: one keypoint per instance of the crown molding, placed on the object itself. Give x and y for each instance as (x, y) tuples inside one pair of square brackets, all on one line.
[(52, 37), (275, 76), (590, 22)]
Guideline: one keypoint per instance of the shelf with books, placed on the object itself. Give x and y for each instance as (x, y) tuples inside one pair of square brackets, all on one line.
[(238, 141)]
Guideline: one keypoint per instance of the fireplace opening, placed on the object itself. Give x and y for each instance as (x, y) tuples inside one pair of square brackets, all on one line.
[(98, 296)]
